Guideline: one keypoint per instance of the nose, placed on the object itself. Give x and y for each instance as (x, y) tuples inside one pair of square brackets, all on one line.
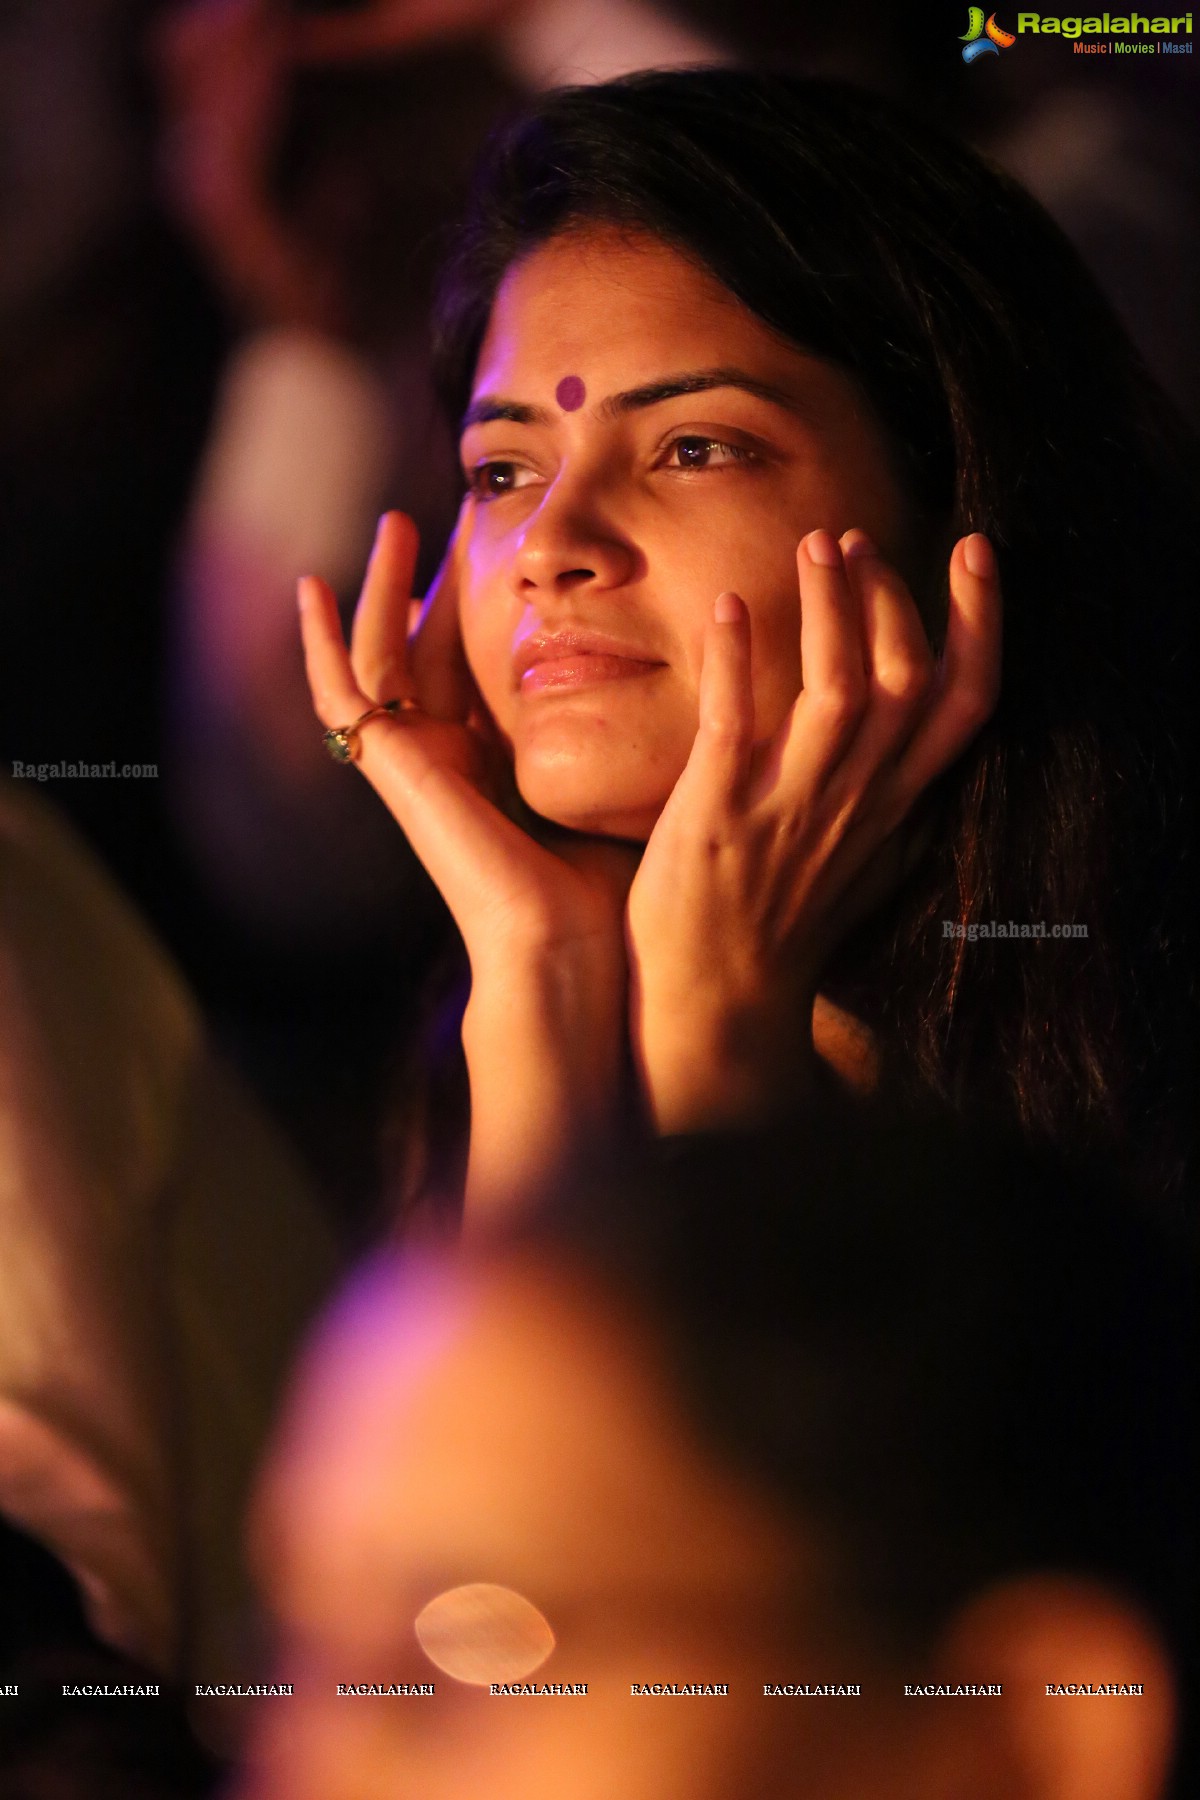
[(570, 542)]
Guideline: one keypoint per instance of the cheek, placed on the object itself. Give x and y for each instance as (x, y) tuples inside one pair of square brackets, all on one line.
[(763, 572), (746, 543), (487, 634)]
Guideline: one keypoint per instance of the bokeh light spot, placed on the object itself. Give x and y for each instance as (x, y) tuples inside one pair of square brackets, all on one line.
[(483, 1633)]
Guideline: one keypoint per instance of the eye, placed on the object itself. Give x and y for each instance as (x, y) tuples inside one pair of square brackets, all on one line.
[(704, 453), (490, 480)]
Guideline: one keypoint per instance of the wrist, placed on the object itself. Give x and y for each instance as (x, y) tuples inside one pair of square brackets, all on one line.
[(724, 1063), (568, 1003), (544, 1047), (530, 969)]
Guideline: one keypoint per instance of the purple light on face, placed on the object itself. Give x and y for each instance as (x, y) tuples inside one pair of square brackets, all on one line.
[(570, 393)]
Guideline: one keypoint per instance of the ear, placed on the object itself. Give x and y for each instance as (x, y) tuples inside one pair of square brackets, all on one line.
[(1043, 1632)]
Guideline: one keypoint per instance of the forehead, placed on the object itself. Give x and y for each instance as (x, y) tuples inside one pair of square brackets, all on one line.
[(602, 304), (529, 1439)]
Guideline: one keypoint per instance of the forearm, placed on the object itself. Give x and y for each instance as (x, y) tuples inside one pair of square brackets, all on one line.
[(544, 1039)]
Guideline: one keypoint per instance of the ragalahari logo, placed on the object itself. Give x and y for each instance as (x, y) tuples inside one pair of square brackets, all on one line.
[(980, 39)]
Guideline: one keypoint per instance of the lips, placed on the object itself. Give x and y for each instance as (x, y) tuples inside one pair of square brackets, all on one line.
[(557, 661)]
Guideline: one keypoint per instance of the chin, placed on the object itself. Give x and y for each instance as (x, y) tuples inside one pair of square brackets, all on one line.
[(590, 809)]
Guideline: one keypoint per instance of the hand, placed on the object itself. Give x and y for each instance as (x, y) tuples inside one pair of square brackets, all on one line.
[(766, 853), (438, 768), (545, 1023)]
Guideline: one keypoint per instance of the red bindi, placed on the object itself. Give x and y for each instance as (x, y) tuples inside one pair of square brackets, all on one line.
[(570, 393)]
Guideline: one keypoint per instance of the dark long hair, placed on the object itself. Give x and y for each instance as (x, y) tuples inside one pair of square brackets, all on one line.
[(1016, 406)]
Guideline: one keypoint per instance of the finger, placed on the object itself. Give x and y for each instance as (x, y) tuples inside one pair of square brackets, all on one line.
[(720, 757), (437, 659), (833, 695), (421, 770), (900, 666), (379, 638), (967, 684), (336, 696), (464, 843)]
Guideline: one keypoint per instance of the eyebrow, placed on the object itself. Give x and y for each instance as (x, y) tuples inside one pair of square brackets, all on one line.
[(490, 407)]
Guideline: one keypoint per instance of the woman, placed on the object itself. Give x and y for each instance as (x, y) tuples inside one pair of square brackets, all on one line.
[(696, 318)]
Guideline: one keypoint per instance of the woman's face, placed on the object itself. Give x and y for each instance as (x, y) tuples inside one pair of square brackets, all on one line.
[(638, 443)]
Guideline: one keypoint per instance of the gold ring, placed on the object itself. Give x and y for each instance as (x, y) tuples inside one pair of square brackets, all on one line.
[(342, 741)]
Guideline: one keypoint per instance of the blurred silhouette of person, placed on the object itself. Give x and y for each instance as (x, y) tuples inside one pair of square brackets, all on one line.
[(862, 1443), (161, 1253), (110, 341)]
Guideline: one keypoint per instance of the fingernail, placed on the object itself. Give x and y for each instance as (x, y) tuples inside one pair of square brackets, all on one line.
[(979, 556), (821, 547), (858, 543), (302, 592), (728, 609)]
